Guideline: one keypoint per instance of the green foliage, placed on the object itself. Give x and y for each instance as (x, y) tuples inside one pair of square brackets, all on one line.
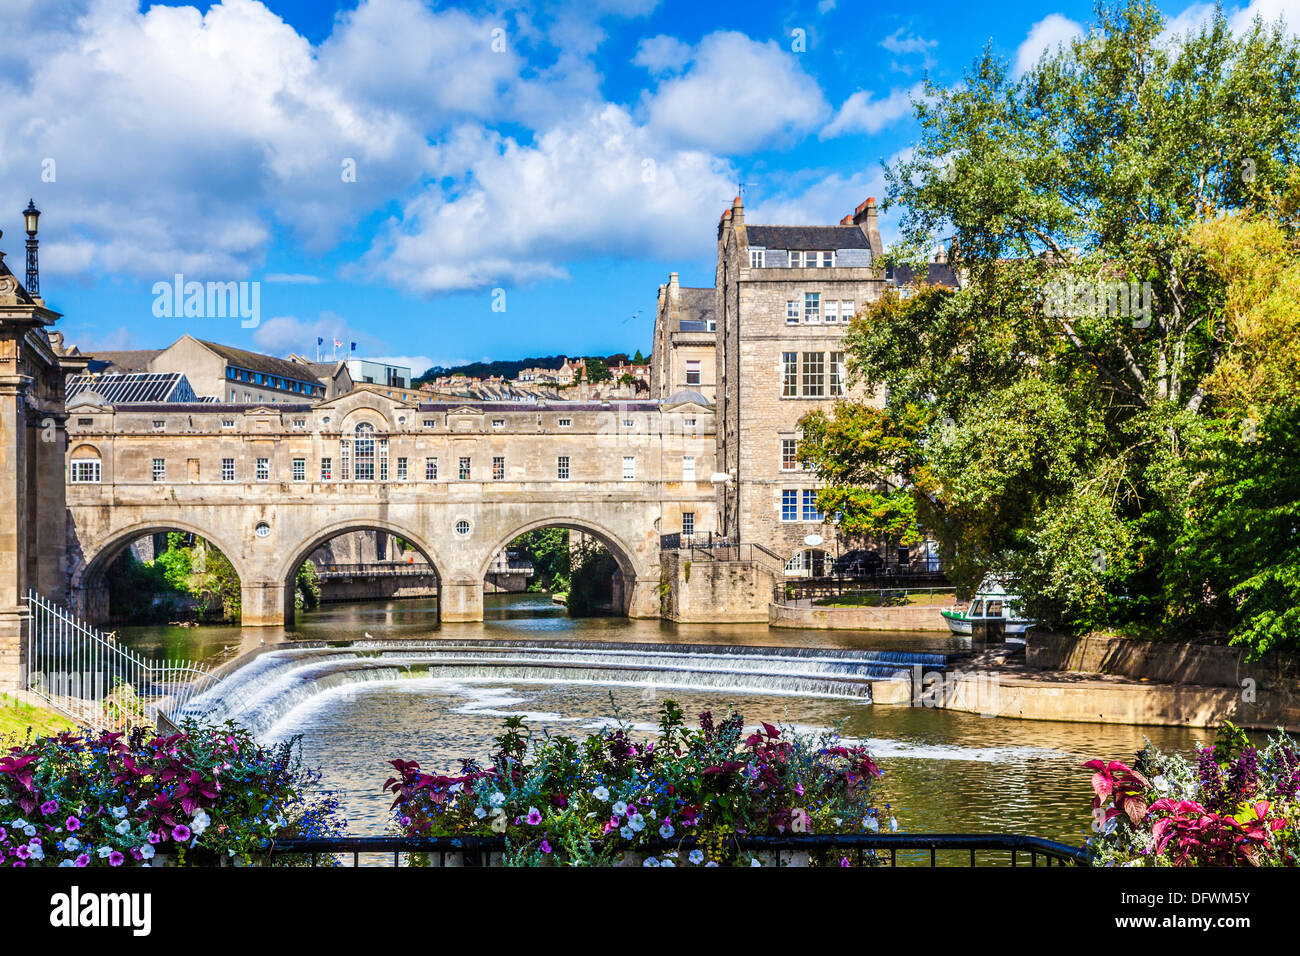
[(188, 572), (591, 585), (548, 550), (1091, 452), (597, 371), (306, 593)]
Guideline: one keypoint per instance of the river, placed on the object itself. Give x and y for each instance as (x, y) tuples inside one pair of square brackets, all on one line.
[(944, 771)]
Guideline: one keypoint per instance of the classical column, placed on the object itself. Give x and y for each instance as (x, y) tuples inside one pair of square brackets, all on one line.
[(13, 526)]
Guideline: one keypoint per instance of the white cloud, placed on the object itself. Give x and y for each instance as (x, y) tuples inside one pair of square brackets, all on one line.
[(862, 112), (1239, 19), (599, 185), (1044, 37), (662, 54), (291, 278), (825, 6), (418, 364), (739, 94), (901, 43), (286, 333)]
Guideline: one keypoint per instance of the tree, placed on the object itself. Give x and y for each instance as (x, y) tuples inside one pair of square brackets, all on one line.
[(1043, 422), (597, 371)]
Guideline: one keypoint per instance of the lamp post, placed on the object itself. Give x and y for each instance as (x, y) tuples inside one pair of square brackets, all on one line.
[(30, 216)]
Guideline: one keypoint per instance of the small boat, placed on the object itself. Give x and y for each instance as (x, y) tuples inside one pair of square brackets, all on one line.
[(991, 600)]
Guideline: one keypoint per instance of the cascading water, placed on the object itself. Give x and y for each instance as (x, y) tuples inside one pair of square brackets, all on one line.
[(260, 693)]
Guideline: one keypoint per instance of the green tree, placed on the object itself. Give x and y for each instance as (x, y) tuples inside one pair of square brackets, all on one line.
[(1040, 424), (597, 371)]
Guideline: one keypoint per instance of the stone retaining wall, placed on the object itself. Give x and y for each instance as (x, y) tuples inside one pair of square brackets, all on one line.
[(1205, 664), (700, 590), (913, 618)]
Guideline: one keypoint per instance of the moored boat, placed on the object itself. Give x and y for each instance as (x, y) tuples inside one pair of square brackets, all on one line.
[(992, 601)]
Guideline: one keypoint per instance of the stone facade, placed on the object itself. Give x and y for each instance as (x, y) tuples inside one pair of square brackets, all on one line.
[(782, 321), (33, 543), (684, 354), (268, 485)]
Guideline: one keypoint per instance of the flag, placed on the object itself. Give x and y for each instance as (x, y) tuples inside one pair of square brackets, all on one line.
[(319, 340), (338, 344), (354, 346)]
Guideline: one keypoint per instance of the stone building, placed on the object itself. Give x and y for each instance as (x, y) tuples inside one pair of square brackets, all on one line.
[(784, 298), (238, 375), (33, 533), (684, 354)]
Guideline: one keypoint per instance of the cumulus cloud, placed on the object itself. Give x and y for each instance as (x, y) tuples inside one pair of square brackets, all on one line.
[(901, 43), (599, 185), (662, 54), (286, 333), (738, 94), (1053, 31), (863, 113)]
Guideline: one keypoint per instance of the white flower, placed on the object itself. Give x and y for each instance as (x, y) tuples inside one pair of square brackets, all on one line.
[(649, 861), (104, 851), (118, 812), (601, 793), (72, 844), (871, 823), (753, 861), (668, 863), (619, 808), (625, 832), (29, 830), (68, 863), (893, 823), (637, 822), (123, 826), (497, 798), (37, 851), (696, 857), (18, 823), (147, 851), (480, 813), (1161, 784), (711, 863), (666, 830), (202, 821)]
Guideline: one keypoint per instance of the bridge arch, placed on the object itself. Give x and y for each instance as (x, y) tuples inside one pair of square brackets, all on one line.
[(87, 588), (286, 572), (631, 573)]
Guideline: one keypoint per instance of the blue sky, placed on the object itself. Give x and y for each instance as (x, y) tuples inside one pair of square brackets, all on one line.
[(569, 154)]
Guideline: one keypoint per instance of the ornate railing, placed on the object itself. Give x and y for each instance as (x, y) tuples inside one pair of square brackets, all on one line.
[(882, 849), (87, 676)]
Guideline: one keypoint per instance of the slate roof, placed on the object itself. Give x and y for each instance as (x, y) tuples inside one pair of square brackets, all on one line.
[(810, 238), (267, 364), (124, 360), (687, 395), (478, 406), (697, 305)]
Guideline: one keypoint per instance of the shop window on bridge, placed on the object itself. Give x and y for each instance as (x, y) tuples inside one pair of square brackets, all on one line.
[(86, 471), (464, 470), (363, 452), (300, 469), (327, 469), (431, 469)]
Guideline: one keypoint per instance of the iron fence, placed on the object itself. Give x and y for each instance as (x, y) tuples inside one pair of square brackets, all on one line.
[(878, 849), (869, 593), (87, 676)]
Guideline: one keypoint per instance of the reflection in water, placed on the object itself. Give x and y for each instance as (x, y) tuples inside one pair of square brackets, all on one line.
[(945, 771)]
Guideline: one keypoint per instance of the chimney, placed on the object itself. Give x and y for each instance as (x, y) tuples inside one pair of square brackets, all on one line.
[(865, 218), (847, 221), (737, 212), (674, 294), (941, 256)]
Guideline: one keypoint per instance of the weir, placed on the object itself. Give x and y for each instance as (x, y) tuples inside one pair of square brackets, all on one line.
[(267, 688)]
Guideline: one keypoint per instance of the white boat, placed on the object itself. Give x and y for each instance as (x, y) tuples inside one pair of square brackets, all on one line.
[(992, 600)]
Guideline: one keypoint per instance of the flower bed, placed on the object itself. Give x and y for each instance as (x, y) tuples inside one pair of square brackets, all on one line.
[(1234, 805), (604, 800), (205, 796)]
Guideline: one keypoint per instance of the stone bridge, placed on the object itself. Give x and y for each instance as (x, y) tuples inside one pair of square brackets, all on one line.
[(269, 484)]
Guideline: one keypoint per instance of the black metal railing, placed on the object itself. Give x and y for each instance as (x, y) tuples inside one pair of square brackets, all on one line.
[(882, 849), (890, 580), (862, 594)]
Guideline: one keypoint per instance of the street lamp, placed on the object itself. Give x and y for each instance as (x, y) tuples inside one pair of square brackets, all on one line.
[(30, 217)]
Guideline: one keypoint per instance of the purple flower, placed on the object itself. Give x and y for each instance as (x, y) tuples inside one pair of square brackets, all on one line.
[(180, 833), (546, 847), (22, 851), (49, 806), (155, 838), (83, 860), (115, 858), (534, 816), (72, 824)]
